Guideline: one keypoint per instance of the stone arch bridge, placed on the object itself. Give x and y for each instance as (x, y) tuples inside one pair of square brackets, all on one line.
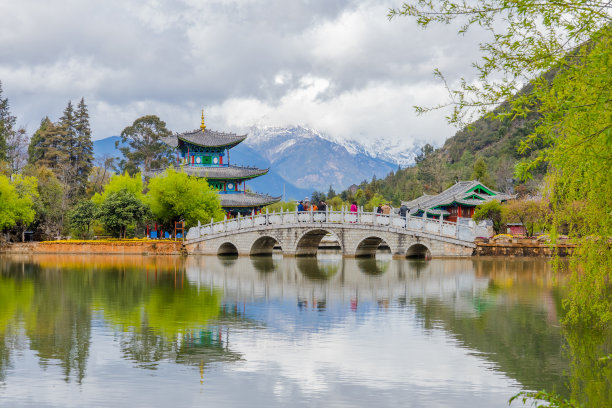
[(358, 234)]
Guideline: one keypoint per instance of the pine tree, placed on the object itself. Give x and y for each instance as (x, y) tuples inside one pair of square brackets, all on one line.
[(7, 121), (84, 147), (67, 122), (47, 147), (38, 142)]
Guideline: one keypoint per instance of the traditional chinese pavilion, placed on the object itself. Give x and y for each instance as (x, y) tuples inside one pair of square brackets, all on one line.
[(206, 153), (458, 201)]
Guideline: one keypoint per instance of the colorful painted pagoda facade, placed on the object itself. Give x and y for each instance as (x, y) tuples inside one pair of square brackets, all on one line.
[(206, 153)]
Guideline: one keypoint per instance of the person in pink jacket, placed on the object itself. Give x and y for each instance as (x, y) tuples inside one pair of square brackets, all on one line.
[(354, 207)]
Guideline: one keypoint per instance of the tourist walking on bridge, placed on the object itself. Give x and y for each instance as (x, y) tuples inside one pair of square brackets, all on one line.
[(386, 209), (403, 210)]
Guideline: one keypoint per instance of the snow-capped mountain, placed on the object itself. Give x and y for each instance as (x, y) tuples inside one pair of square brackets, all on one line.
[(392, 152), (311, 159), (302, 160)]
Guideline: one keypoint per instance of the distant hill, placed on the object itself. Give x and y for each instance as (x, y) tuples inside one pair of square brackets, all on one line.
[(495, 141), (106, 148)]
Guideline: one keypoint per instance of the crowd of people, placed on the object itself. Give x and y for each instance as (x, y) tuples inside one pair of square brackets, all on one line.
[(382, 209)]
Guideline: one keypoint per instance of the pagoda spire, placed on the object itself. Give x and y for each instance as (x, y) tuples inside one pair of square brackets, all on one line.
[(203, 126)]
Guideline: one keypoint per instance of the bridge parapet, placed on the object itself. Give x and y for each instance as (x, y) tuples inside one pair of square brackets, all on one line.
[(460, 231)]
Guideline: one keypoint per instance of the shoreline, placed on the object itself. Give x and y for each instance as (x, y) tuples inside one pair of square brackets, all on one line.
[(516, 248)]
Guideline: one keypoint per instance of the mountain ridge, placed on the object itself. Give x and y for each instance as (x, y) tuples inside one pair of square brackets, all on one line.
[(300, 160)]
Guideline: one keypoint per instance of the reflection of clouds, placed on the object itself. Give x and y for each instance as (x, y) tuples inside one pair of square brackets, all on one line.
[(381, 354)]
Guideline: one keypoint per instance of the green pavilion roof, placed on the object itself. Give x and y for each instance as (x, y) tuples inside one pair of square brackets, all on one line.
[(467, 193), (247, 200), (224, 172)]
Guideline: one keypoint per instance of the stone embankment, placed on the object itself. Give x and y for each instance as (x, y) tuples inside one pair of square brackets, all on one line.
[(521, 247), (97, 247)]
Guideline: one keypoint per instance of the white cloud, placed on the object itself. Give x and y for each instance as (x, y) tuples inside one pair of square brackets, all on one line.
[(340, 67)]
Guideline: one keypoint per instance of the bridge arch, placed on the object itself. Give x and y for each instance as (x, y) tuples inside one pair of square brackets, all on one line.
[(308, 243), (227, 248), (368, 246), (418, 251), (264, 246)]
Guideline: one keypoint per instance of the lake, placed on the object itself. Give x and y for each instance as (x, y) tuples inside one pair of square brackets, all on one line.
[(142, 331)]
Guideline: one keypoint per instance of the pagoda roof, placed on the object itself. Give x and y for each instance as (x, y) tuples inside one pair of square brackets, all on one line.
[(223, 172), (463, 192), (247, 200), (205, 138)]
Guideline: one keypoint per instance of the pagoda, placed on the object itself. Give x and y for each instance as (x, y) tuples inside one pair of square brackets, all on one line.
[(206, 153)]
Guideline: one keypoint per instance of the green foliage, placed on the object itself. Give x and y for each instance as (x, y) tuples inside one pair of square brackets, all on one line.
[(541, 399), (81, 217), (335, 203), (571, 43), (82, 156), (360, 197), (317, 196), (7, 123), (145, 149), (284, 205), (175, 196), (120, 210), (17, 200), (534, 215), (481, 173), (374, 202), (490, 211), (49, 205), (119, 182)]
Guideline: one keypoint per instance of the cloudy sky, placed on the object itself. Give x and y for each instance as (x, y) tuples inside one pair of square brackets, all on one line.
[(338, 66)]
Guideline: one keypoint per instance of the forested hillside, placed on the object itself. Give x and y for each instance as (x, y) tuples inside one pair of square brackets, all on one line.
[(487, 149)]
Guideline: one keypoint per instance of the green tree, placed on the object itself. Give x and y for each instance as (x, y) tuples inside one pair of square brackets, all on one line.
[(317, 196), (480, 172), (47, 147), (16, 200), (133, 184), (145, 149), (360, 197), (175, 196), (120, 210), (81, 216), (83, 155), (49, 204), (374, 202), (284, 205), (7, 123), (490, 211), (330, 193), (572, 43), (531, 213)]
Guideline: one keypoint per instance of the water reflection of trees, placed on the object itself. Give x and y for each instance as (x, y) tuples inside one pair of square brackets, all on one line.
[(158, 313), (318, 269), (372, 266)]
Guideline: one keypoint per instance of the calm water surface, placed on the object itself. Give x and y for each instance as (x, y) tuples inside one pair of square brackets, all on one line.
[(207, 331)]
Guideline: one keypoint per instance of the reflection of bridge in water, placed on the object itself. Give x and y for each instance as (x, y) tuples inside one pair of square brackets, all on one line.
[(357, 234), (330, 279)]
